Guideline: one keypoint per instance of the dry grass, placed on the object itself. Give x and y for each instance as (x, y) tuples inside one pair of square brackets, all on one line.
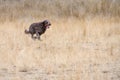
[(81, 51), (83, 47), (12, 10)]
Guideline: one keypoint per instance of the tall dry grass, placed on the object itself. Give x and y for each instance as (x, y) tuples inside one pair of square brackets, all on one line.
[(83, 42), (11, 10)]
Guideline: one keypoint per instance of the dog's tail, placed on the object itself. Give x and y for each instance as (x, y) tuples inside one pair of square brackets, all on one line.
[(26, 32)]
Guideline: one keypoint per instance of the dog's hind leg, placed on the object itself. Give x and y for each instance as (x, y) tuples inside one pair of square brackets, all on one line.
[(32, 36)]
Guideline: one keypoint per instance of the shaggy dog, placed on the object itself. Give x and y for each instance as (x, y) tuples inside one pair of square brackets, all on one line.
[(38, 29)]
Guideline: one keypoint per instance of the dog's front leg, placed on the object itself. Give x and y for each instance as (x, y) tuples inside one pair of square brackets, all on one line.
[(38, 35)]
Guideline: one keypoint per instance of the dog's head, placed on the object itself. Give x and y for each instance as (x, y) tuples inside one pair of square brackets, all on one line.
[(46, 24)]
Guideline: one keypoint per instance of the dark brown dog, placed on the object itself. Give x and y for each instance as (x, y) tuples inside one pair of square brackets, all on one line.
[(38, 29)]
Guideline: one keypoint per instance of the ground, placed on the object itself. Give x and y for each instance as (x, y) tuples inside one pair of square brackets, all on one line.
[(71, 49)]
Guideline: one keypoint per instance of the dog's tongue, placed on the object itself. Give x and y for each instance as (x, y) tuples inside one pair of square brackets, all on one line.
[(48, 27)]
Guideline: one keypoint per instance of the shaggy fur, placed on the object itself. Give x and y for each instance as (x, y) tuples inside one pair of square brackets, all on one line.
[(38, 29)]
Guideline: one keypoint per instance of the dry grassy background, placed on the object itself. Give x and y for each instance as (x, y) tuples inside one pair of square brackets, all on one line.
[(83, 42)]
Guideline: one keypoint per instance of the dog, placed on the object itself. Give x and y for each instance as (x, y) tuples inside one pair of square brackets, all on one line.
[(38, 28)]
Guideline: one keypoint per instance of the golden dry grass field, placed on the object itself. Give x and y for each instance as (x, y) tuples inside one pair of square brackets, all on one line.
[(79, 45)]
